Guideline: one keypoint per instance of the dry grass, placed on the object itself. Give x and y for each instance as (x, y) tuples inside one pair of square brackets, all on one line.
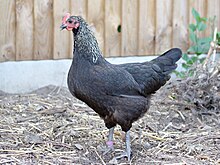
[(49, 126)]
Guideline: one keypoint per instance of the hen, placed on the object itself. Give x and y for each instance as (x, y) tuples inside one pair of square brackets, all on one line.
[(120, 94)]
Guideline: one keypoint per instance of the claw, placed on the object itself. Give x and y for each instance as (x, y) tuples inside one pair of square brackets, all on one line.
[(127, 153), (123, 155)]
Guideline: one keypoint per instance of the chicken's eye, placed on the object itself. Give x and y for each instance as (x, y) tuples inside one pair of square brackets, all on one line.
[(70, 21)]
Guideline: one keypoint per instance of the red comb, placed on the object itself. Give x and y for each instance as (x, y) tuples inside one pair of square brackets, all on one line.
[(67, 15)]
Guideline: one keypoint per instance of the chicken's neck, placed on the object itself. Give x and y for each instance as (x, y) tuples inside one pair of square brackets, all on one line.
[(86, 46)]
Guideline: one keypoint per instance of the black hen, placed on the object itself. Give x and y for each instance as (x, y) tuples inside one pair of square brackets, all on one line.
[(120, 94)]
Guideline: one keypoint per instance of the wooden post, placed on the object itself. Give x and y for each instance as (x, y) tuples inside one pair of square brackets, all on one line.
[(7, 30), (43, 29)]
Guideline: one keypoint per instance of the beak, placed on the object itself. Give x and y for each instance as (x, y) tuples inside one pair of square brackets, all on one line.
[(63, 26)]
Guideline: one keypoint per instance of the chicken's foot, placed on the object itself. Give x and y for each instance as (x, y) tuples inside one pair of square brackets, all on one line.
[(127, 152), (109, 143)]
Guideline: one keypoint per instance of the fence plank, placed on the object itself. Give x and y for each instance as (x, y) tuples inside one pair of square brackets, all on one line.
[(129, 27), (96, 20), (213, 10), (180, 25), (43, 33), (112, 25), (24, 29), (146, 33), (62, 40), (79, 7), (200, 6), (7, 26), (163, 26)]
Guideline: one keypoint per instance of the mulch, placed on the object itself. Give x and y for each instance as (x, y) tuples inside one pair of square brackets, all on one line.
[(49, 126)]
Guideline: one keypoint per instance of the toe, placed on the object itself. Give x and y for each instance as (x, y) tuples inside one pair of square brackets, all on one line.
[(108, 150), (123, 155)]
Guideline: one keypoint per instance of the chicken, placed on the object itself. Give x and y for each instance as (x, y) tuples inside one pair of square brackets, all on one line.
[(120, 94)]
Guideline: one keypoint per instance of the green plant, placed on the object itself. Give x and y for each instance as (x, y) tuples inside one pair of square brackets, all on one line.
[(218, 38), (200, 45)]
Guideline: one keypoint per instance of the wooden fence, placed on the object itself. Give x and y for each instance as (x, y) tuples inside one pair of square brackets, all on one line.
[(29, 29)]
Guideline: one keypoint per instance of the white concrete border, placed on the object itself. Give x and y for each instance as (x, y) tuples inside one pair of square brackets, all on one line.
[(26, 76)]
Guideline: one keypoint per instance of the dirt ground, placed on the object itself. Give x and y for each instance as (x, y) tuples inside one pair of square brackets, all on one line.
[(49, 126)]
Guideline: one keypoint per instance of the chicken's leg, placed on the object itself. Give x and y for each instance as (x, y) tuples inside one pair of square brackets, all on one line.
[(109, 143), (127, 153)]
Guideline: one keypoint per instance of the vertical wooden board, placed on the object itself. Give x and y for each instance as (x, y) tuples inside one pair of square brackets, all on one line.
[(163, 26), (95, 18), (24, 29), (129, 27), (112, 23), (200, 6), (62, 41), (43, 29), (180, 25), (79, 7), (146, 33), (213, 9), (7, 30)]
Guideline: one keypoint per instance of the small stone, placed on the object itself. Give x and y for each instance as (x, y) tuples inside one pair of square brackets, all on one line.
[(113, 161), (79, 146)]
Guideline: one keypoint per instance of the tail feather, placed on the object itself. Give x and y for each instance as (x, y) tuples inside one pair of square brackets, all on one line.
[(154, 74), (167, 61), (173, 54)]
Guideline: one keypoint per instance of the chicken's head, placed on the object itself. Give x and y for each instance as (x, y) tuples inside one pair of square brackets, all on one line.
[(69, 22)]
